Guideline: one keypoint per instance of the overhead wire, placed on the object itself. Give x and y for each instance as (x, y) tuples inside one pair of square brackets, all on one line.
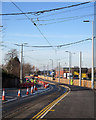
[(58, 46), (66, 19), (63, 45), (51, 14), (43, 11), (34, 24), (62, 12)]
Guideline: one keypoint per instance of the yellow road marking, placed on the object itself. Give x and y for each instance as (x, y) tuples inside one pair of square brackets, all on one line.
[(52, 110), (38, 115)]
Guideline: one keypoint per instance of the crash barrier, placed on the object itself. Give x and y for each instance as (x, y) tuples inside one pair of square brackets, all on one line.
[(45, 84), (84, 83)]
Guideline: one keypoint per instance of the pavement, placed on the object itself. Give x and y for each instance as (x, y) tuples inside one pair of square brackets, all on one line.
[(79, 103)]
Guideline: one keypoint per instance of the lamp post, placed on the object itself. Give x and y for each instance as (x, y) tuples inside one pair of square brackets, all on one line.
[(47, 71), (80, 64), (69, 64), (44, 71), (21, 64), (59, 73), (52, 68), (92, 78)]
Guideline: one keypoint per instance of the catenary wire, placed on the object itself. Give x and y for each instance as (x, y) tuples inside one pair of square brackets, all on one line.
[(50, 14), (58, 46), (70, 18), (34, 24), (65, 18), (43, 11)]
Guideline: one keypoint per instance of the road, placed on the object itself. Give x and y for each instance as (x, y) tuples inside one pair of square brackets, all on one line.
[(55, 103)]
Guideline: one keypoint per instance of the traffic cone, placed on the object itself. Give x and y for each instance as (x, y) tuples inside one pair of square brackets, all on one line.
[(36, 88), (31, 89), (27, 93), (19, 93), (45, 85), (3, 96)]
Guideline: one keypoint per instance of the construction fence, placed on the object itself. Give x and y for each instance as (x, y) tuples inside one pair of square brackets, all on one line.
[(84, 83)]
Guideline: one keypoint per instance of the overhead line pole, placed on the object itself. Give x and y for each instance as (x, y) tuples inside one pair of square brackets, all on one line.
[(92, 58), (80, 73), (21, 65)]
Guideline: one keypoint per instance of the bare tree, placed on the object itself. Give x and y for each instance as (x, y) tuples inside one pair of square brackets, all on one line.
[(11, 54), (27, 69)]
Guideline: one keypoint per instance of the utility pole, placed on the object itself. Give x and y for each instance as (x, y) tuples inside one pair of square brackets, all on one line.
[(59, 73), (92, 58), (47, 72), (44, 72), (69, 67), (80, 73), (21, 65), (52, 68), (93, 55)]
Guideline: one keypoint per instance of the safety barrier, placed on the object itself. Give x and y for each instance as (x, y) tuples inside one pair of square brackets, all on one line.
[(84, 83)]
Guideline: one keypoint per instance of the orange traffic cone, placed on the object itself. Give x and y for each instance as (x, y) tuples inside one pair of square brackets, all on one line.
[(36, 88), (45, 86), (27, 93), (31, 89), (3, 96), (19, 94)]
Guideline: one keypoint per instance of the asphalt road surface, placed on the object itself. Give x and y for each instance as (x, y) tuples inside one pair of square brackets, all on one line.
[(57, 102)]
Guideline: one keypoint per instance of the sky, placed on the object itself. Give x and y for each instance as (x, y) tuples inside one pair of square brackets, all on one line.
[(62, 27)]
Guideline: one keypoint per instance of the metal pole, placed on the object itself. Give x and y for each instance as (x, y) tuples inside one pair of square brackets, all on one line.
[(80, 74), (52, 68), (92, 81), (44, 72), (69, 66), (21, 65), (47, 72), (59, 73)]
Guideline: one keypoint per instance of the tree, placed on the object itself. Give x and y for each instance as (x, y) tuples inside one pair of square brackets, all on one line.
[(11, 54), (12, 62), (27, 69), (13, 66)]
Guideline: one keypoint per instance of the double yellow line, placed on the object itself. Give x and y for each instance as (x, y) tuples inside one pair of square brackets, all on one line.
[(50, 106)]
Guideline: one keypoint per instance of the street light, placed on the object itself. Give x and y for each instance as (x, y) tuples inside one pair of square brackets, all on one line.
[(92, 81), (69, 65), (52, 67), (21, 65)]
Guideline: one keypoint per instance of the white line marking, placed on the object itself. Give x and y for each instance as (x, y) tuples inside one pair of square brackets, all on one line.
[(10, 100)]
